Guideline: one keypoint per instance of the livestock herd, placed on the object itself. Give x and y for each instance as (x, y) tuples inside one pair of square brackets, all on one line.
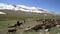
[(46, 24), (14, 27)]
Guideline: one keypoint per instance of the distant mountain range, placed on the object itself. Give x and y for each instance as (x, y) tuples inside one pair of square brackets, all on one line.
[(21, 11), (23, 8)]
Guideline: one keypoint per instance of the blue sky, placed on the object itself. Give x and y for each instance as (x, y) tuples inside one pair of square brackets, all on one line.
[(51, 5)]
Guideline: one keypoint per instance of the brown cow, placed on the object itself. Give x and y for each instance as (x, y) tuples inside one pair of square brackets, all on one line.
[(37, 27)]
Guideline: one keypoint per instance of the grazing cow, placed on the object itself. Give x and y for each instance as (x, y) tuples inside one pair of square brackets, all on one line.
[(39, 20), (18, 24), (37, 27), (48, 27), (12, 31), (58, 23), (15, 25)]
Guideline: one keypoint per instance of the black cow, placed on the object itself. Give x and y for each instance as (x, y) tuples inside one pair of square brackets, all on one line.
[(12, 31), (15, 25), (18, 24)]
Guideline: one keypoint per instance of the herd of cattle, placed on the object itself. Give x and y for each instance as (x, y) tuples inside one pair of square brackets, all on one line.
[(14, 27), (46, 24)]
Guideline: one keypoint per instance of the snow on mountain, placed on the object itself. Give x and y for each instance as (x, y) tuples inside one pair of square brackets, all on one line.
[(5, 6), (2, 13), (22, 8)]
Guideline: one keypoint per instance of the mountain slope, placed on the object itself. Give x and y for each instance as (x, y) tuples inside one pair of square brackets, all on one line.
[(21, 15), (21, 12), (22, 8)]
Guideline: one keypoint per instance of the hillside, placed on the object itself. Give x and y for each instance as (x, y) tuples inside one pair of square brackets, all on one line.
[(20, 15), (23, 12)]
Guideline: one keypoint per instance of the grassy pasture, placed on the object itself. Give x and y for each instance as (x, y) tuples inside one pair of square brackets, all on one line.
[(12, 16), (4, 28)]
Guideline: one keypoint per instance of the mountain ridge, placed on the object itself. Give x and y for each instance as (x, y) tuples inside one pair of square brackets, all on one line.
[(8, 12), (23, 8)]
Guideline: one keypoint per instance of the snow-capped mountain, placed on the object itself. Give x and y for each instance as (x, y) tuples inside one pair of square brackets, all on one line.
[(23, 8), (2, 13)]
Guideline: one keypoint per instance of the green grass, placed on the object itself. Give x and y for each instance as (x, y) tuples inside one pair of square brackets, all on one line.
[(12, 16), (4, 28)]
